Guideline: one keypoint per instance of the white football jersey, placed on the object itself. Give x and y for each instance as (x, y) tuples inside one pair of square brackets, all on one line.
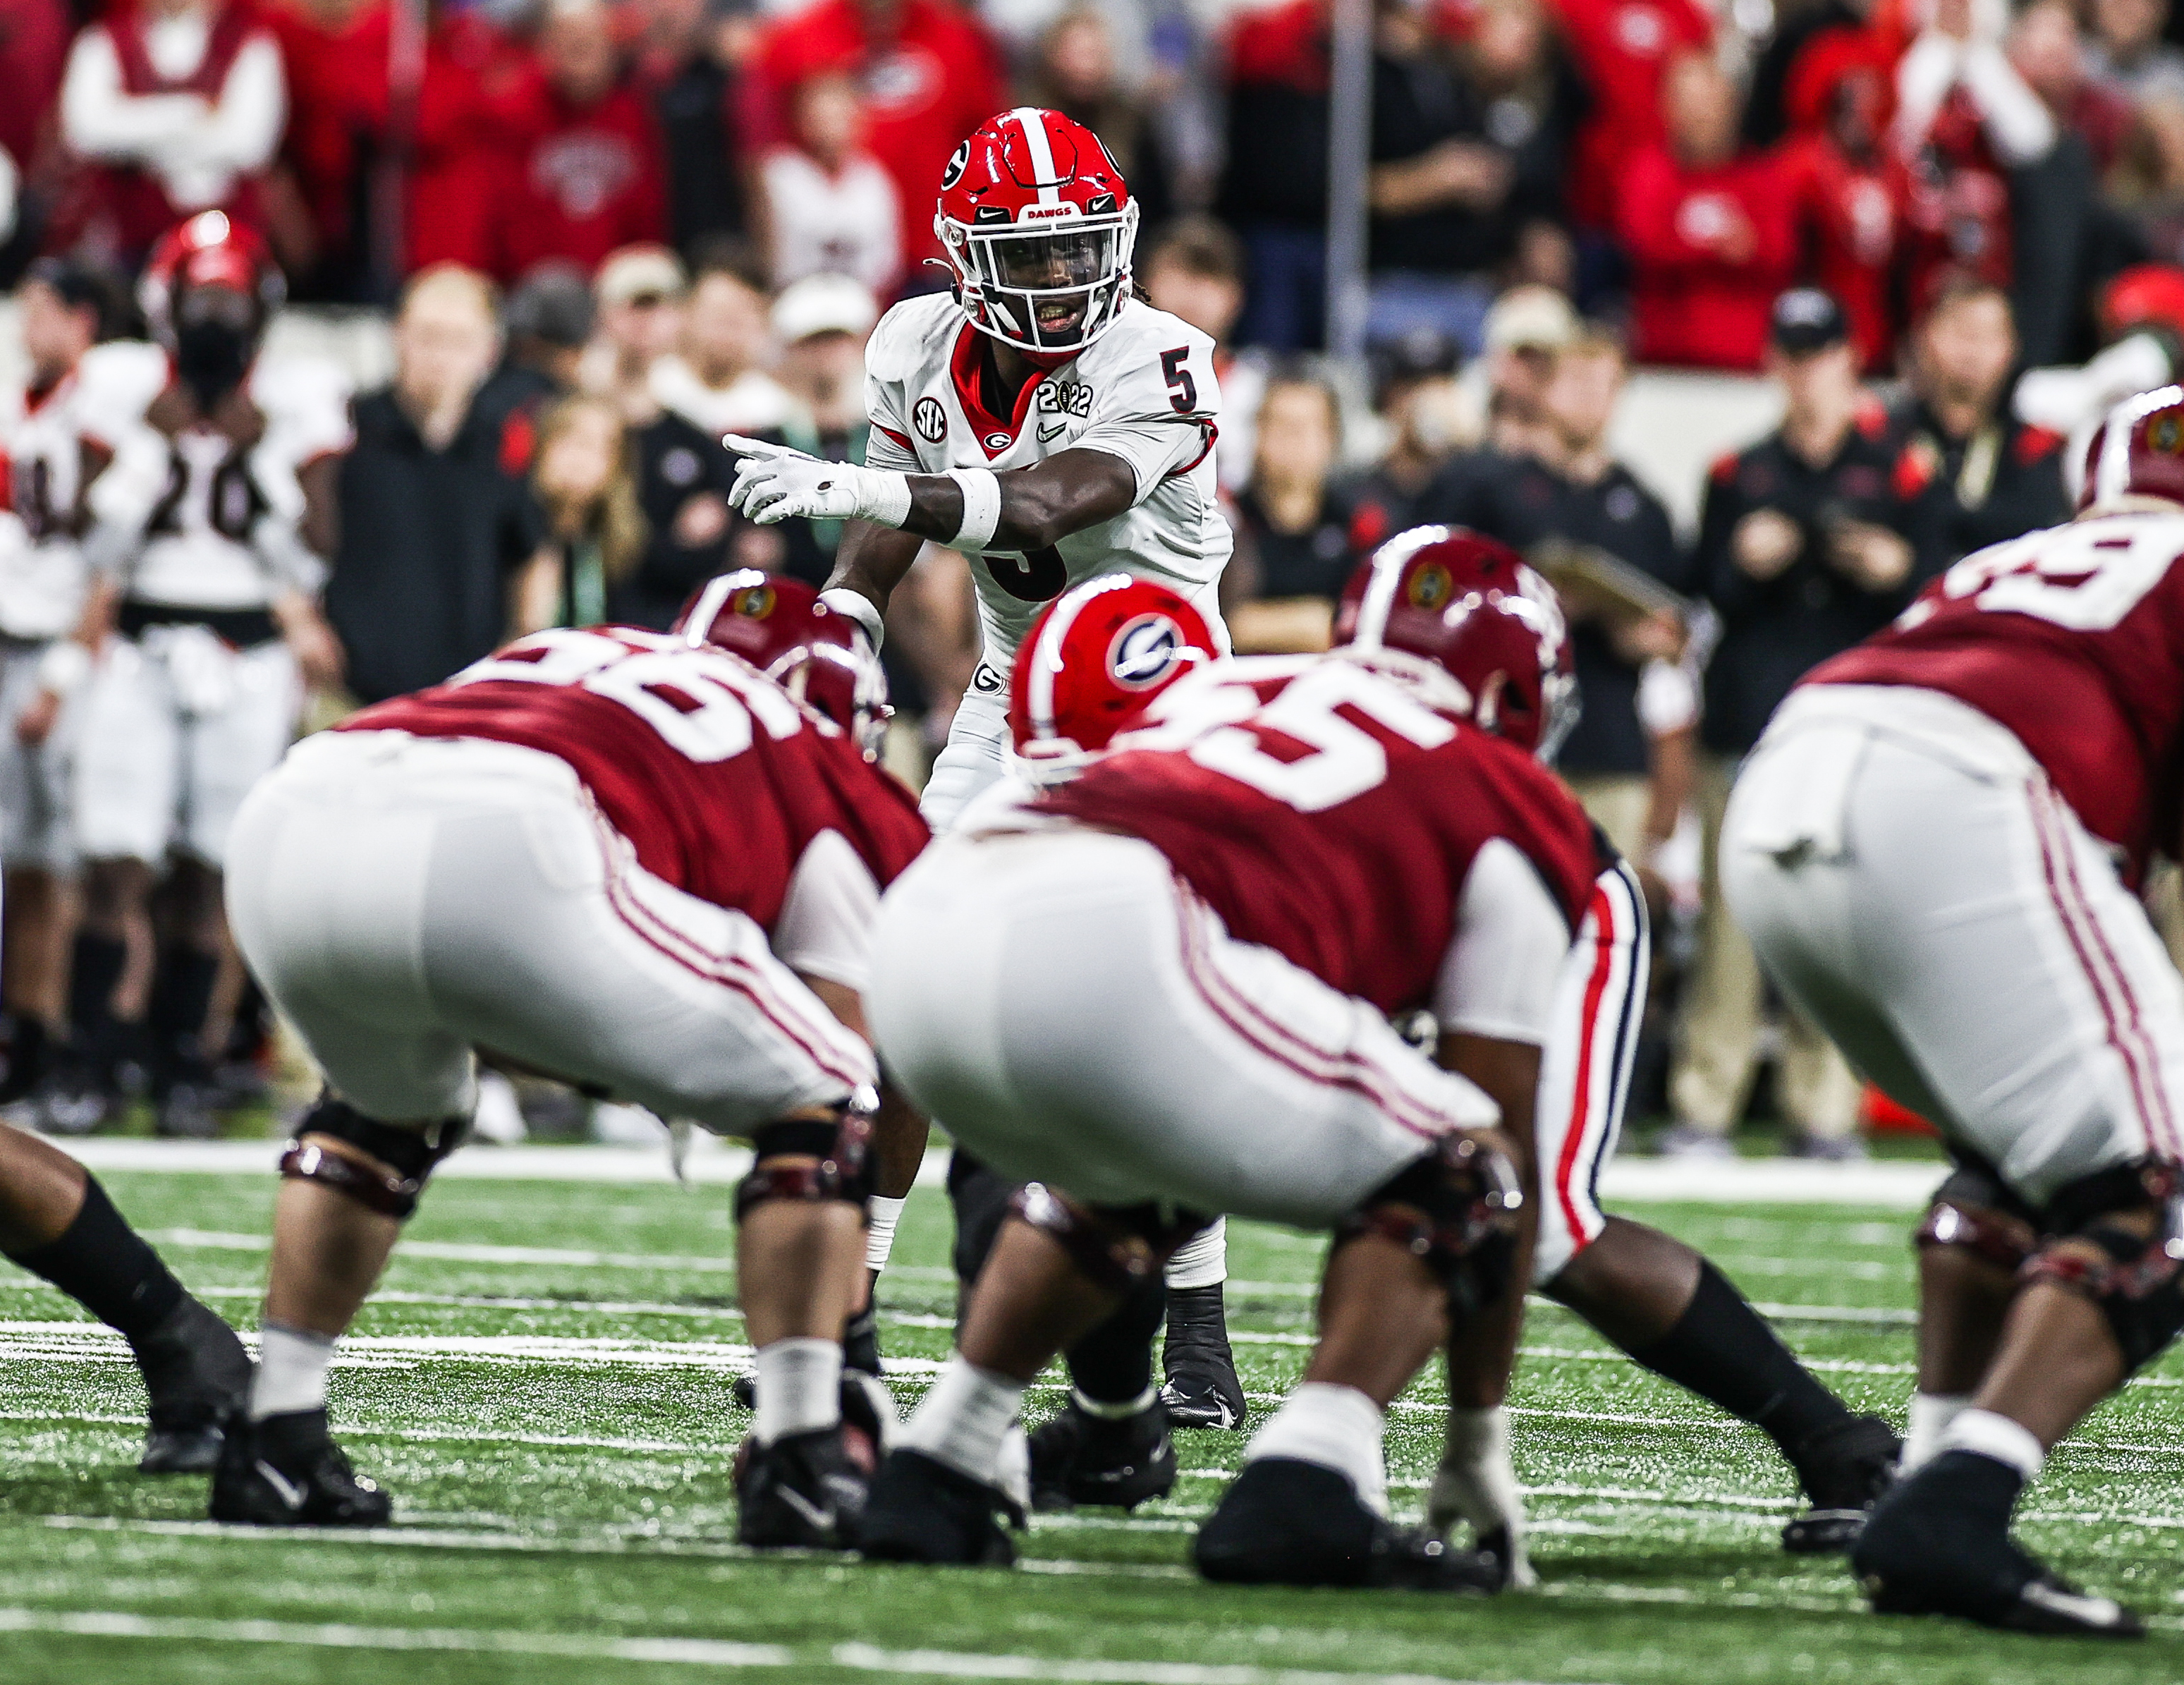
[(197, 501), (53, 446), (1144, 391)]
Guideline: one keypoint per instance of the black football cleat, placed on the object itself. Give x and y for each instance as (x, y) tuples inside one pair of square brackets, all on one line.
[(860, 1342), (804, 1492), (1939, 1544), (80, 1095), (1079, 1457), (196, 1376), (1285, 1522), (924, 1511), (286, 1471), (1844, 1469), (1201, 1389)]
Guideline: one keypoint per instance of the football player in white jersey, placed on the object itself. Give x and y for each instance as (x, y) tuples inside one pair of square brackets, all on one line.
[(1046, 421), (209, 527)]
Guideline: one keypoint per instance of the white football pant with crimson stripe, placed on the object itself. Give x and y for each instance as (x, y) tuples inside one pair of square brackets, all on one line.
[(1079, 1017), (404, 900), (1585, 1068), (1908, 873)]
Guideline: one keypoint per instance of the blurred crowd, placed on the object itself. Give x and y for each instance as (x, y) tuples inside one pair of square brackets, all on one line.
[(605, 234)]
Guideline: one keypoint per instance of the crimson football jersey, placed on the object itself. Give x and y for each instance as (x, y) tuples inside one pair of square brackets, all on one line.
[(1332, 813), (2073, 639), (718, 778)]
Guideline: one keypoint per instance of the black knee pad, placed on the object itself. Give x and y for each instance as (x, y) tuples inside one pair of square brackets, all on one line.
[(2137, 1279), (982, 1197), (1119, 1247), (846, 1170), (1974, 1210), (1455, 1210), (403, 1158)]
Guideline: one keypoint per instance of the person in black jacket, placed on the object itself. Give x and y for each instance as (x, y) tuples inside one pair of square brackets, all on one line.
[(435, 517), (1980, 475), (1806, 547)]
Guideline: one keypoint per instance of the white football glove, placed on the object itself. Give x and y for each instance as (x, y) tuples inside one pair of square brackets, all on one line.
[(1476, 1482), (776, 484)]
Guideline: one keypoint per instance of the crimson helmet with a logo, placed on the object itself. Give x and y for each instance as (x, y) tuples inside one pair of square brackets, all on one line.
[(1038, 228), (781, 628), (2137, 451), (1092, 664), (208, 251), (1472, 608)]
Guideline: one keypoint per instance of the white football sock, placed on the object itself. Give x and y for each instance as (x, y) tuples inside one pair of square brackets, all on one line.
[(1932, 1413), (965, 1417), (799, 1383), (1337, 1427), (291, 1371), (1986, 1434), (879, 1235), (1477, 1482), (1202, 1261)]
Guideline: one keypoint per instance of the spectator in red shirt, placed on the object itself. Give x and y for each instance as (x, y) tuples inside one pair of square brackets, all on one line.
[(34, 46), (1837, 100), (1711, 233), (929, 74), (1622, 49), (587, 173)]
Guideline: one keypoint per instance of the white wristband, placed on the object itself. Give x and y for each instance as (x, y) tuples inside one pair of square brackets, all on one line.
[(855, 606), (64, 667), (982, 508), (885, 495)]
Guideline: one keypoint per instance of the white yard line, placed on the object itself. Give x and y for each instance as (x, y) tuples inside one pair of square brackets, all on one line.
[(686, 1652), (1894, 1184)]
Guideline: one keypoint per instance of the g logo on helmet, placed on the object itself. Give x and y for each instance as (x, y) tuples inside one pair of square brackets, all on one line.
[(956, 165), (1145, 651), (1430, 586), (754, 603), (2166, 435)]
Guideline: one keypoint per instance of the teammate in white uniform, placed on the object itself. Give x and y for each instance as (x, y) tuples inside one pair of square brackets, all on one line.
[(1051, 426), (210, 524), (51, 456)]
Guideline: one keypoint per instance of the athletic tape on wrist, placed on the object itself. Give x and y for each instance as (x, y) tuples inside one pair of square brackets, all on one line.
[(886, 496), (981, 507), (857, 607)]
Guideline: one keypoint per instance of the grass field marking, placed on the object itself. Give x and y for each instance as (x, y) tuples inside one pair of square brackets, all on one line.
[(458, 1252), (949, 1664)]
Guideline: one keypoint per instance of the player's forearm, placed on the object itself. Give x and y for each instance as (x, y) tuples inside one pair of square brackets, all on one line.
[(871, 561)]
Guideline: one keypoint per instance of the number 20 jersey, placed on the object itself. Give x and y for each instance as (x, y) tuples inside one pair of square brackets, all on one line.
[(2073, 639), (1332, 813), (1144, 391)]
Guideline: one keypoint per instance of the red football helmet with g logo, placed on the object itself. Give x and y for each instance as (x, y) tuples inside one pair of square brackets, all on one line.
[(1468, 604), (2137, 451), (1092, 665), (208, 250), (781, 628), (1038, 226)]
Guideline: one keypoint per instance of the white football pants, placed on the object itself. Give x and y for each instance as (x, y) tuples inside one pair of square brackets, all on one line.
[(1078, 1018), (34, 783), (406, 900), (1909, 875)]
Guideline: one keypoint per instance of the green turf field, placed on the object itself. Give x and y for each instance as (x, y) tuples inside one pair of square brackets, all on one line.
[(544, 1383)]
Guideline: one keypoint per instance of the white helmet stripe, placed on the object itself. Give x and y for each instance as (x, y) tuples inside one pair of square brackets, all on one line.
[(1046, 658), (2112, 473), (1387, 564), (715, 598), (1032, 121)]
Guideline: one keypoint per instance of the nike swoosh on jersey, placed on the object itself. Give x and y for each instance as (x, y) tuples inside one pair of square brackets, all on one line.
[(1047, 434)]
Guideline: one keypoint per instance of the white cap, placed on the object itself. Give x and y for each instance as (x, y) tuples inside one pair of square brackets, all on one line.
[(824, 304), (1527, 317)]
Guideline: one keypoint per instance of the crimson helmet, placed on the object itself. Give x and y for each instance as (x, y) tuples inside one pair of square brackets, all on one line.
[(2137, 451), (1468, 604), (1038, 228), (208, 250), (781, 628), (1092, 664)]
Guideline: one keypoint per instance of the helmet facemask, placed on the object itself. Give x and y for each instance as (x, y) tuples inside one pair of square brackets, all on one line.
[(1052, 288)]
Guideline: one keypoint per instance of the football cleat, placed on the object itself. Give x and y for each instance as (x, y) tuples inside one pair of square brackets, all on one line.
[(1201, 1389), (804, 1492), (924, 1511), (1079, 1457), (1844, 1469), (286, 1471), (78, 1096), (860, 1342), (196, 1375), (187, 1108), (1939, 1544), (1286, 1522)]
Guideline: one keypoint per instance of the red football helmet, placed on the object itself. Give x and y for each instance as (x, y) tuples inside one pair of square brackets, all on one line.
[(1092, 664), (1468, 604), (2137, 451), (1038, 228), (781, 628), (208, 250)]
